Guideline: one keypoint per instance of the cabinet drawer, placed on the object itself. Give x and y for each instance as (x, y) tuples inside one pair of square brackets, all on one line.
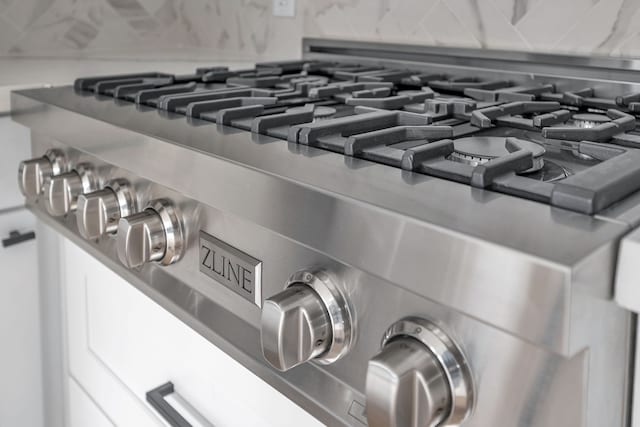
[(122, 344)]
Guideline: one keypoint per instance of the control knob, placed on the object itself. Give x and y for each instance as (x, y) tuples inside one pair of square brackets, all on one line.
[(420, 378), (33, 173), (62, 191), (98, 212), (310, 319), (155, 234)]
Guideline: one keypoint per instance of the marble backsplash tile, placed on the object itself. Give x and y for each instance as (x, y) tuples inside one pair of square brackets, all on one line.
[(246, 29), (233, 29)]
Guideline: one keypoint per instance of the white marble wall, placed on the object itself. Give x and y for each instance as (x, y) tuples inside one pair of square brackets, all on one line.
[(584, 26), (245, 29), (233, 29)]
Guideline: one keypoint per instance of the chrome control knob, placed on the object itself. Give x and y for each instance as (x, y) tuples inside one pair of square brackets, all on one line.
[(98, 212), (155, 234), (310, 319), (33, 173), (420, 378), (62, 191)]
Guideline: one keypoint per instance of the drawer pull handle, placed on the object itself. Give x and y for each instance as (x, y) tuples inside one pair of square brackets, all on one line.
[(156, 399), (16, 237)]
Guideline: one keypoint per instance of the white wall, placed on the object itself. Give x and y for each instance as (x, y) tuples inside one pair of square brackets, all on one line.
[(241, 29)]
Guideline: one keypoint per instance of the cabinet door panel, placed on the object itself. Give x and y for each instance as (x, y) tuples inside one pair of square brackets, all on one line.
[(21, 367), (106, 390), (83, 411), (15, 148), (142, 345)]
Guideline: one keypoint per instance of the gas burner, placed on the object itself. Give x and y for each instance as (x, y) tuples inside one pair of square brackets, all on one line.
[(477, 130), (322, 112), (582, 98), (550, 172), (612, 128), (588, 120), (478, 150), (522, 114)]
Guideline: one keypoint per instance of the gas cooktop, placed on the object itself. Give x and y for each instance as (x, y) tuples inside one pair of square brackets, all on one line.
[(387, 234), (569, 149)]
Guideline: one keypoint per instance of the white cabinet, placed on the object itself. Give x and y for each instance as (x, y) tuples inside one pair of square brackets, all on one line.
[(15, 148), (21, 400), (121, 344), (83, 411), (20, 351)]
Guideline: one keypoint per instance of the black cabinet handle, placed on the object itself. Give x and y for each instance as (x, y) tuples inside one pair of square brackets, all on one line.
[(16, 237), (155, 398)]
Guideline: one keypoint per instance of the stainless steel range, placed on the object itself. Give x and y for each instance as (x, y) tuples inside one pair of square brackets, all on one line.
[(389, 235)]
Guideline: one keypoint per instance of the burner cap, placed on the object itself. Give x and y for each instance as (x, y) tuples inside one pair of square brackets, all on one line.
[(322, 112), (477, 150), (551, 172), (589, 120)]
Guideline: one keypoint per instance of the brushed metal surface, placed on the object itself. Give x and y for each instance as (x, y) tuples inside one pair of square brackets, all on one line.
[(141, 238), (62, 191), (5, 95), (331, 292), (525, 289), (32, 173), (404, 229), (440, 347), (407, 387), (153, 235), (235, 269), (310, 320), (588, 387), (295, 327), (98, 212)]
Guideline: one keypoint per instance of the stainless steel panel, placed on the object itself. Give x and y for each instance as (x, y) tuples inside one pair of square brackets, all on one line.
[(518, 382), (525, 289), (243, 272), (5, 96), (395, 225)]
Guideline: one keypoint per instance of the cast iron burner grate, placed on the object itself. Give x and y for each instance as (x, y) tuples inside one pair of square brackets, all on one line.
[(573, 149)]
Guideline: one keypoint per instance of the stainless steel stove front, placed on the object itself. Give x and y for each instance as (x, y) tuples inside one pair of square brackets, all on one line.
[(503, 306), (537, 364)]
